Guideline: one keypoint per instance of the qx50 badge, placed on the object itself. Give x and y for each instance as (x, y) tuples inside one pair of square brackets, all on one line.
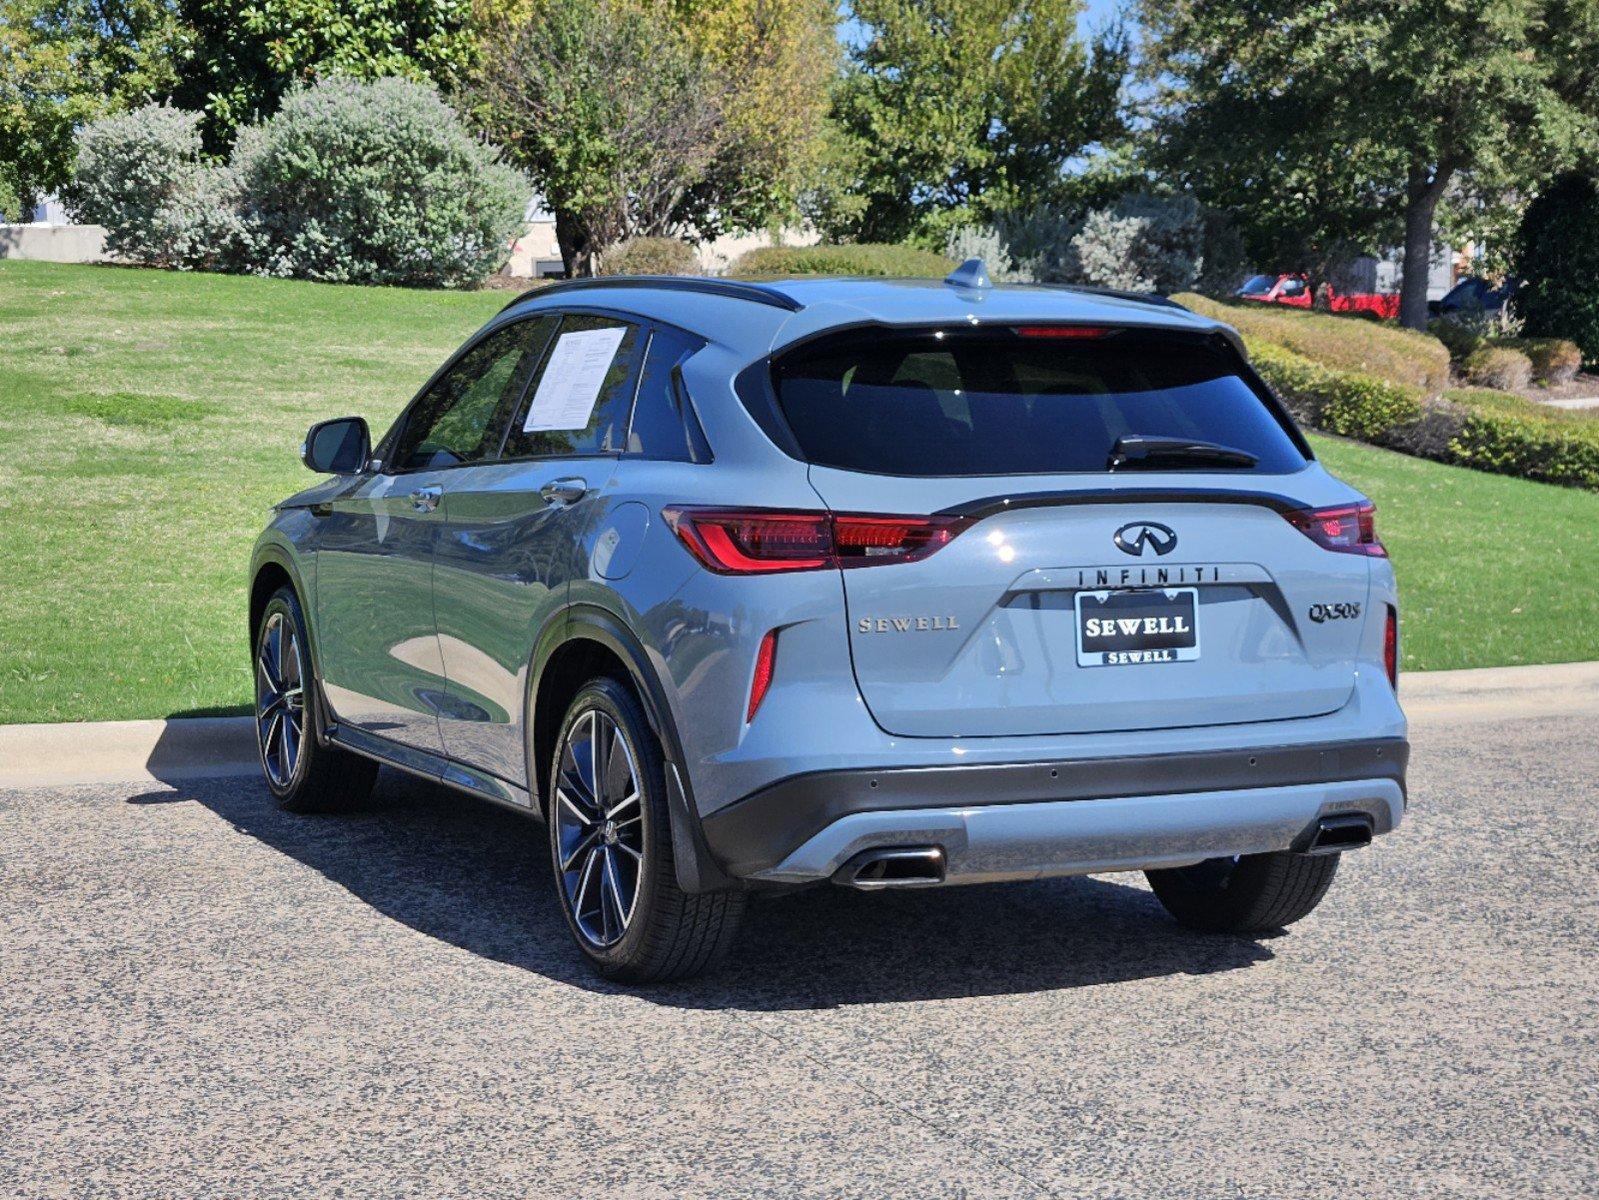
[(1137, 536)]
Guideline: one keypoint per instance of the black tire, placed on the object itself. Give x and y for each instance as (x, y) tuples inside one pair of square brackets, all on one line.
[(321, 778), (1255, 893), (667, 933)]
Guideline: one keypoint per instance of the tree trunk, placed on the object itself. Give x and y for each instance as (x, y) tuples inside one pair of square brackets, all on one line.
[(577, 254), (1423, 189)]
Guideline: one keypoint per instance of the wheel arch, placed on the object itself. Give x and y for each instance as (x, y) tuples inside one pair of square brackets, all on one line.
[(585, 640)]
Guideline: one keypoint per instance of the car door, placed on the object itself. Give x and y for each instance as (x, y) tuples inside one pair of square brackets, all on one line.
[(512, 540), (382, 671)]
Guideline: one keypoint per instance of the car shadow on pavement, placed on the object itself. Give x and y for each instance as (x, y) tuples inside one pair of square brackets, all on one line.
[(478, 877)]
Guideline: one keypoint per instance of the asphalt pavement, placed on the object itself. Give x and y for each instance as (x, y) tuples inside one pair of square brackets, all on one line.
[(202, 996)]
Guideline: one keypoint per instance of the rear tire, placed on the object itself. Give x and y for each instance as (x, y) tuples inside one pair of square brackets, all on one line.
[(1254, 893), (302, 775), (611, 849)]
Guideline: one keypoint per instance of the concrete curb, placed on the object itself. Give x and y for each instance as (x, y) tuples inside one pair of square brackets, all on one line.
[(187, 748)]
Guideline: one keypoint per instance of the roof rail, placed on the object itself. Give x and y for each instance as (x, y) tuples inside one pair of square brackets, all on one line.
[(1116, 294), (732, 289)]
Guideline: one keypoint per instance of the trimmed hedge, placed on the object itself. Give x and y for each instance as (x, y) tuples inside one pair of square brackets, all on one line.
[(1511, 436), (1459, 339), (1343, 402), (1554, 360), (1403, 356), (650, 256), (864, 259), (1497, 366)]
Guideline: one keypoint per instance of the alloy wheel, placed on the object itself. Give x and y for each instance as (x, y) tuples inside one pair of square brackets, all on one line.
[(599, 822), (279, 699)]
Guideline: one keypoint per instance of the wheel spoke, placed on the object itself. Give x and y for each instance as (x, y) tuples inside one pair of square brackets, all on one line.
[(584, 844), (635, 855), (627, 801), (583, 882)]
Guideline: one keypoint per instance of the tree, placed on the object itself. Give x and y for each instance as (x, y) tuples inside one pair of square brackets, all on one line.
[(63, 63), (636, 118), (969, 105), (1344, 124), (1557, 259), (243, 55)]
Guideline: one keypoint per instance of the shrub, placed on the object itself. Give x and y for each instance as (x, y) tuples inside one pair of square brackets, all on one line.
[(1512, 436), (650, 256), (139, 174), (1557, 257), (1498, 367), (1554, 360), (987, 244), (1404, 357), (864, 258), (1347, 403), (1458, 338), (376, 182), (1142, 244)]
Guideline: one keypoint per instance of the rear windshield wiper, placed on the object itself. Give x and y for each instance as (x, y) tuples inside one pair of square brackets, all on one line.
[(1135, 451)]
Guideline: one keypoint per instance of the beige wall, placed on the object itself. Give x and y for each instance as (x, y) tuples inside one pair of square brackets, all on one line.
[(536, 251), (53, 243)]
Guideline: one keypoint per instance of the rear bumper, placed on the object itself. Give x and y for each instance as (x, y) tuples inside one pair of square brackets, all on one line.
[(1061, 818)]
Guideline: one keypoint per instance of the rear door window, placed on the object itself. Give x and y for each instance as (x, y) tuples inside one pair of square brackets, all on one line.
[(942, 402), (580, 401)]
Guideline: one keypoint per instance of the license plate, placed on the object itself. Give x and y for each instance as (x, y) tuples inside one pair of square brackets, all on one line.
[(1123, 628)]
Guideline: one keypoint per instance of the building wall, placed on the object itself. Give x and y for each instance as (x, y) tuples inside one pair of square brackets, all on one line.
[(53, 243)]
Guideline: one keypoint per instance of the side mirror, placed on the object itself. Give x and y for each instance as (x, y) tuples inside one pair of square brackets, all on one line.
[(338, 447)]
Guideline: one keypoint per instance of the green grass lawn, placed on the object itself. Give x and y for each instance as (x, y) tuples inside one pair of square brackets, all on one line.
[(151, 419)]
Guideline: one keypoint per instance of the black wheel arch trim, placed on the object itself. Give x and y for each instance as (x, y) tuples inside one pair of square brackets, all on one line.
[(697, 868), (271, 554)]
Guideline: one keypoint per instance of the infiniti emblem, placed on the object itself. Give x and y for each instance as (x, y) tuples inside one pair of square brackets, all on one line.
[(1137, 536)]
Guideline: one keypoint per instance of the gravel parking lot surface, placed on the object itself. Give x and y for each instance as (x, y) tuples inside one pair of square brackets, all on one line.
[(201, 996)]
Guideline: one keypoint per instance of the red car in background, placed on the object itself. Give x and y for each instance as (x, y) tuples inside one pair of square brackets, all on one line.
[(1294, 290)]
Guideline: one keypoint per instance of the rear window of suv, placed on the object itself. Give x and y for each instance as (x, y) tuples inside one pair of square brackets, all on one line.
[(1020, 401)]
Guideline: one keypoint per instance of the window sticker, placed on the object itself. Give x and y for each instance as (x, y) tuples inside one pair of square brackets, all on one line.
[(571, 383)]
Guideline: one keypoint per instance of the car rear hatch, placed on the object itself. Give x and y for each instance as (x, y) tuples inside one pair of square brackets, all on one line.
[(1064, 591)]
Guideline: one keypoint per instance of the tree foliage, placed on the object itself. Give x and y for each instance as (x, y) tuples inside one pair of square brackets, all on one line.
[(1341, 125), (641, 118), (969, 105), (63, 63), (244, 55), (1557, 258)]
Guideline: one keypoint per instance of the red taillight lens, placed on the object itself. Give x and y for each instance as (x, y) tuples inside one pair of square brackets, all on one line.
[(764, 658), (1390, 647), (761, 541), (1349, 528), (1078, 332)]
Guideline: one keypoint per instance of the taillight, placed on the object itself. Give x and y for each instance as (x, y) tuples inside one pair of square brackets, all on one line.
[(764, 658), (1348, 528), (749, 541), (1070, 332), (1390, 647)]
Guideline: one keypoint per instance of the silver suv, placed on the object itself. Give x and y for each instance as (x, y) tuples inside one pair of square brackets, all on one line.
[(887, 584)]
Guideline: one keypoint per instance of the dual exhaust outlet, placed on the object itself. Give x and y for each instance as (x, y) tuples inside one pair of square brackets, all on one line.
[(924, 866)]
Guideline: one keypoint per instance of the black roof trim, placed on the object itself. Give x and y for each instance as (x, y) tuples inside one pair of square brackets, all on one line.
[(1116, 294), (732, 289)]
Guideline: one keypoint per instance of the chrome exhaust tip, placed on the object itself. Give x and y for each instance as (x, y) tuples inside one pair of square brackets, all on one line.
[(896, 867), (1335, 834)]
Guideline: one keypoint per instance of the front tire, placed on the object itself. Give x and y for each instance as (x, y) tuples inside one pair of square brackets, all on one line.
[(611, 848), (303, 776), (1253, 893)]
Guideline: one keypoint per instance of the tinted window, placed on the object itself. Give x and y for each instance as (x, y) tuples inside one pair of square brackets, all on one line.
[(658, 429), (1258, 285), (606, 428), (461, 418), (1002, 404)]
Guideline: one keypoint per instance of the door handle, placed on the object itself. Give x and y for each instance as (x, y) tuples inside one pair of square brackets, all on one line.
[(426, 499), (564, 491)]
